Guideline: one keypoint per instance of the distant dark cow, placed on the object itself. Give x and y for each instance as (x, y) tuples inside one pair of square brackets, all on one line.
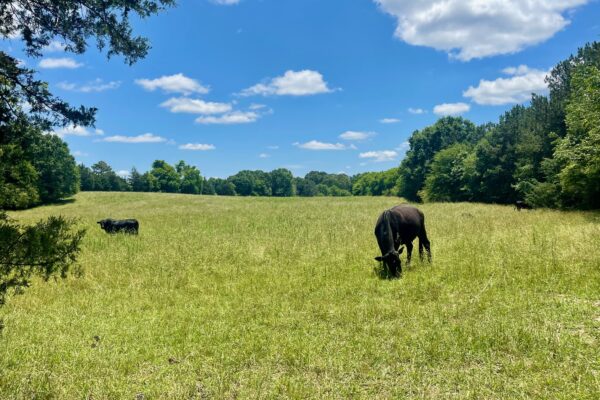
[(123, 225), (521, 205), (396, 227)]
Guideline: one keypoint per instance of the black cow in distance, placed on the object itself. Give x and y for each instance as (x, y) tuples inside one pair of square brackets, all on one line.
[(124, 225), (521, 205)]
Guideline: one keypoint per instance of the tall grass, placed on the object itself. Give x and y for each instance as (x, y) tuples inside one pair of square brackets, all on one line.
[(278, 298)]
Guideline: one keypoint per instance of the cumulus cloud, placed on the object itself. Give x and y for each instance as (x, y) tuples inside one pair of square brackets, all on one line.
[(380, 156), (263, 155), (197, 147), (468, 29), (54, 46), (64, 62), (76, 130), (195, 106), (144, 138), (389, 120), (517, 89), (97, 85), (316, 145), (177, 83), (416, 110), (235, 117), (355, 135), (451, 109), (292, 83)]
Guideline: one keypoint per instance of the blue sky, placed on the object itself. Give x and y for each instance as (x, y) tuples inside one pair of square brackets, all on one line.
[(333, 85)]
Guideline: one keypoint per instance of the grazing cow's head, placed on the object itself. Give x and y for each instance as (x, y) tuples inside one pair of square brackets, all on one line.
[(391, 260), (103, 223)]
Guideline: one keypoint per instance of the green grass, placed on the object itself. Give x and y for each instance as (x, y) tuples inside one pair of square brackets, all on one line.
[(278, 298)]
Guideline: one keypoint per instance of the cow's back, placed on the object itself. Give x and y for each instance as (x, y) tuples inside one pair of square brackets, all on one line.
[(408, 221)]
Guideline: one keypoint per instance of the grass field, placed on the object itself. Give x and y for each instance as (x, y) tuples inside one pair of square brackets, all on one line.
[(278, 298)]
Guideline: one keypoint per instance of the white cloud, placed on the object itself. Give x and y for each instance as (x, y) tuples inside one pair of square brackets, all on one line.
[(145, 138), (416, 110), (316, 145), (292, 83), (97, 85), (195, 106), (403, 146), (354, 135), (451, 109), (76, 130), (123, 173), (78, 153), (197, 147), (273, 147), (516, 89), (380, 156), (64, 62), (235, 117), (177, 83), (389, 120), (255, 106), (54, 46), (468, 29), (263, 155)]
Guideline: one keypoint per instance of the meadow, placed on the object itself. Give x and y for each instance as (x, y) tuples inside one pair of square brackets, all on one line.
[(224, 297)]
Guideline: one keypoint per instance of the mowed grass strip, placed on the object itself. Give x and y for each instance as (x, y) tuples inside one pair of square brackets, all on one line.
[(278, 298)]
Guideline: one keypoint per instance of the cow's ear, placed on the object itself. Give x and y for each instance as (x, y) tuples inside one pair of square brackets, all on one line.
[(99, 222), (378, 258)]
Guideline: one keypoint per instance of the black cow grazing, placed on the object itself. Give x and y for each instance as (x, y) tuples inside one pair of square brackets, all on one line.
[(399, 226), (521, 205), (124, 225)]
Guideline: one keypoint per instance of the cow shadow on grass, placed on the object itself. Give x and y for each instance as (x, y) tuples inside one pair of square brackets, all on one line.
[(59, 202), (382, 272)]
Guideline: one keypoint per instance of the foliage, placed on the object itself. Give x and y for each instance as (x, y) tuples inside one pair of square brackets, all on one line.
[(101, 177), (251, 183), (579, 151), (38, 167), (424, 144), (385, 183), (450, 175), (166, 176), (282, 183), (45, 249), (190, 181), (18, 179)]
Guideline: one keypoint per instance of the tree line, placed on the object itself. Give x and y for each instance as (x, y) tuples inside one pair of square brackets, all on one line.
[(546, 153), (184, 178)]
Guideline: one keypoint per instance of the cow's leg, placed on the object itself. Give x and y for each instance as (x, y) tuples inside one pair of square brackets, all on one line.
[(409, 249), (424, 242)]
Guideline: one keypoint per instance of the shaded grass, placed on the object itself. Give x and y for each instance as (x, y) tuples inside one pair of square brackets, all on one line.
[(271, 298)]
